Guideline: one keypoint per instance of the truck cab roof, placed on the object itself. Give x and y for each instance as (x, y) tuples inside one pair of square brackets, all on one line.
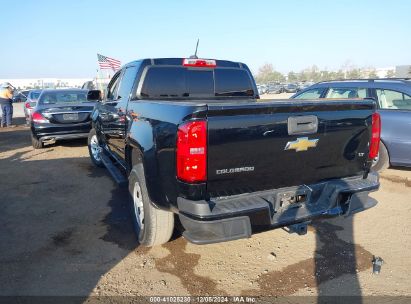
[(179, 62)]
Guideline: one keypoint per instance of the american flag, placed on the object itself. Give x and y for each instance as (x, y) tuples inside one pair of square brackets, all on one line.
[(108, 63)]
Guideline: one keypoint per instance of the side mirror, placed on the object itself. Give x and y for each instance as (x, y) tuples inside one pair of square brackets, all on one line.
[(94, 95)]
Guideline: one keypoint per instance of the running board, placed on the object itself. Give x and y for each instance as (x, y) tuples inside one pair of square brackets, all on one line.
[(115, 172)]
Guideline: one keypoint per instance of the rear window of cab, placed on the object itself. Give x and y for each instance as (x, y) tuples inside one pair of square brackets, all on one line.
[(188, 83)]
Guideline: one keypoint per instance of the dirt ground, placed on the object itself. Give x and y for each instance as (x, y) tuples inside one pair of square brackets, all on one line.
[(66, 230)]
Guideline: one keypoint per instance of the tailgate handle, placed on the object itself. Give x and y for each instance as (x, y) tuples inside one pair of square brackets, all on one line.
[(302, 125)]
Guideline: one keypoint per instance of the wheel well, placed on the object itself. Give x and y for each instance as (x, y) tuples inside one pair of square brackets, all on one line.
[(386, 148), (133, 156)]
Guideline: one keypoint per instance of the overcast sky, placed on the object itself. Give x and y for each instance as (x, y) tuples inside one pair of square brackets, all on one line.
[(62, 38)]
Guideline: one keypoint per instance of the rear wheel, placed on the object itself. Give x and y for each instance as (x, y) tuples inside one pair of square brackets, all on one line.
[(94, 148), (36, 143), (153, 226), (382, 161)]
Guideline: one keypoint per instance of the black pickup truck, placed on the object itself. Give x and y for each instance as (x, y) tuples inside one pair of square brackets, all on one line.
[(190, 137)]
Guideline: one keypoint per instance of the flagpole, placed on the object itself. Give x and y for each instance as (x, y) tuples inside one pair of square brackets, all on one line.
[(97, 85), (101, 80), (100, 76)]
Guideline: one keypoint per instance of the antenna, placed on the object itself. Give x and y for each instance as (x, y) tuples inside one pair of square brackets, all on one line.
[(195, 54)]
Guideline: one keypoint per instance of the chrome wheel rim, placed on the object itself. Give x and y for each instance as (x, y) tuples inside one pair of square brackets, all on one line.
[(95, 148), (138, 205)]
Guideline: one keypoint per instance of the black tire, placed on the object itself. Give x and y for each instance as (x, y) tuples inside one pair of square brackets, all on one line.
[(36, 143), (156, 226), (383, 160), (95, 159)]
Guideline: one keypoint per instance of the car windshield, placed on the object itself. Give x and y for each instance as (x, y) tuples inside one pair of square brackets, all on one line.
[(63, 97)]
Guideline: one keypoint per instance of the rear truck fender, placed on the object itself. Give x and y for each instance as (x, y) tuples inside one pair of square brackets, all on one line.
[(152, 130), (140, 148)]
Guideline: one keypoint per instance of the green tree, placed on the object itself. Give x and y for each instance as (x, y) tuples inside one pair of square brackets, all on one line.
[(304, 75), (292, 77), (354, 74), (327, 75), (279, 77), (372, 74), (313, 73), (266, 73), (332, 75), (390, 74), (339, 75)]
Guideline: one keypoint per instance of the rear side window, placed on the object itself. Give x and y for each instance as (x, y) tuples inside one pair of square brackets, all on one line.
[(113, 86), (346, 93), (393, 100), (127, 82), (310, 94), (34, 95), (181, 82), (164, 82)]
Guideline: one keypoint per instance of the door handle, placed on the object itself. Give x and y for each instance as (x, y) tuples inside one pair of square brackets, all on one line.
[(302, 125)]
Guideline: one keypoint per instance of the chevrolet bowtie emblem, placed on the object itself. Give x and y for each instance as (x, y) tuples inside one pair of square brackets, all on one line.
[(301, 144)]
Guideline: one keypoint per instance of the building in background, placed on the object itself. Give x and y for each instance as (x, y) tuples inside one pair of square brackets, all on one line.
[(385, 72), (403, 71), (44, 83)]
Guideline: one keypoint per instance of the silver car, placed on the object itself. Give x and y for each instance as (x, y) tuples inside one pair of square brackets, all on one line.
[(30, 104), (393, 97)]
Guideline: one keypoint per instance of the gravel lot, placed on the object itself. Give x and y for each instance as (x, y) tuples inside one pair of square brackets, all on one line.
[(66, 230)]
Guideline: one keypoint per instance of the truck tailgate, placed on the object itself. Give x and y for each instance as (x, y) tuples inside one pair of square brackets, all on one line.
[(268, 145)]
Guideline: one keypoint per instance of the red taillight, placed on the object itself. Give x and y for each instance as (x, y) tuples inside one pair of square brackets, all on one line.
[(192, 152), (38, 118), (375, 135), (205, 63)]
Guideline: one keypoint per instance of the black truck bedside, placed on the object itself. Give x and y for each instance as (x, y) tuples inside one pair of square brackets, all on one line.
[(191, 138)]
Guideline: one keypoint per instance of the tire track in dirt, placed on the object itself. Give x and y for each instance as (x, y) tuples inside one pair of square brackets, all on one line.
[(397, 179)]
